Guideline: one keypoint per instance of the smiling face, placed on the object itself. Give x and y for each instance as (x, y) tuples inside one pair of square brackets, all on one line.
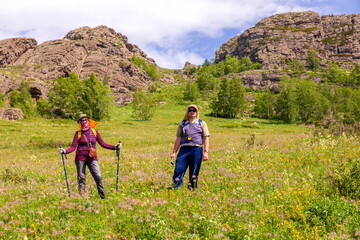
[(84, 123), (192, 112)]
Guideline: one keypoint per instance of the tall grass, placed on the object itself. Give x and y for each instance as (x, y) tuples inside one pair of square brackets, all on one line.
[(263, 181)]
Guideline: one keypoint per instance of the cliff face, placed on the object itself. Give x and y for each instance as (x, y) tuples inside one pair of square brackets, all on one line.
[(83, 51), (288, 36)]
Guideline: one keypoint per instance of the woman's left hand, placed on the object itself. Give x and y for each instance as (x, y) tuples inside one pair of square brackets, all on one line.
[(205, 156)]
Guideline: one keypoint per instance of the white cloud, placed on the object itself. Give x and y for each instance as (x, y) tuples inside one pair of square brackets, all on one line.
[(167, 24), (174, 58)]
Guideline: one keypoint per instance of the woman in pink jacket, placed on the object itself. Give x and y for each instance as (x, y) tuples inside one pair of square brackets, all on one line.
[(85, 139)]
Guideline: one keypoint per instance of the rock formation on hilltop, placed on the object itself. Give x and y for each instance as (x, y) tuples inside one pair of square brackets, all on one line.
[(288, 36), (100, 50), (83, 51)]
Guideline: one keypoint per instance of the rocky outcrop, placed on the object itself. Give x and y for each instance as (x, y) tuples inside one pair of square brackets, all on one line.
[(11, 114), (261, 79), (11, 49), (189, 65), (288, 36), (83, 51)]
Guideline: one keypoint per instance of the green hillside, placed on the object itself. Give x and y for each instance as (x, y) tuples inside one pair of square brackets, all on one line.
[(264, 180)]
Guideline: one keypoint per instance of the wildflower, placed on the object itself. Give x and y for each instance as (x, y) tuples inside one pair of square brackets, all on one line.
[(218, 235)]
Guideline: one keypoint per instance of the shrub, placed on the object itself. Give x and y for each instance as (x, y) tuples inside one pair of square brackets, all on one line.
[(149, 68), (191, 92), (191, 70), (43, 107), (9, 175), (327, 214), (313, 60), (2, 99), (335, 74), (354, 77), (22, 99), (346, 179), (142, 105), (296, 66)]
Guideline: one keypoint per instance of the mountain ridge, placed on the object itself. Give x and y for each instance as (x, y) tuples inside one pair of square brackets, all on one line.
[(83, 51), (273, 41)]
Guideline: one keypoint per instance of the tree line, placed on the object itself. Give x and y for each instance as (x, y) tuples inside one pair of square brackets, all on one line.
[(67, 98), (336, 98), (303, 100)]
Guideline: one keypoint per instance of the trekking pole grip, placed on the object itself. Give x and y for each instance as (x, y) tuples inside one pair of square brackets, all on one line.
[(62, 154)]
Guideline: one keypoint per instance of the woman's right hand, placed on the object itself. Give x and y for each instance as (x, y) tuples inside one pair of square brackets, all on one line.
[(172, 156), (62, 151)]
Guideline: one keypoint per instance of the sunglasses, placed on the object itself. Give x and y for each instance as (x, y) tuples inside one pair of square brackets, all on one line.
[(192, 110), (84, 120)]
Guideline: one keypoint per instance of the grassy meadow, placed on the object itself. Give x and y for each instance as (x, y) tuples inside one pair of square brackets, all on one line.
[(263, 181)]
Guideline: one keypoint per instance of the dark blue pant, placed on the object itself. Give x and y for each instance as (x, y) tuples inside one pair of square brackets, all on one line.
[(94, 168), (187, 157)]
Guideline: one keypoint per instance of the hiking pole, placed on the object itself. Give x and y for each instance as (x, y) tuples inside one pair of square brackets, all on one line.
[(66, 178), (118, 165)]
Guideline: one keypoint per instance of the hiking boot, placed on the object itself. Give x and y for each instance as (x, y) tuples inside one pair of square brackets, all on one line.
[(173, 186)]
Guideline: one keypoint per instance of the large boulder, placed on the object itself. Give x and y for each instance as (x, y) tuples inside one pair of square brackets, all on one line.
[(11, 114)]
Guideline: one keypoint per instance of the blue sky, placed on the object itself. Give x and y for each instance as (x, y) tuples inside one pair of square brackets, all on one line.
[(171, 32)]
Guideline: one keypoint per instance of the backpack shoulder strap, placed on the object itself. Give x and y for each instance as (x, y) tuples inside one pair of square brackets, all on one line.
[(183, 123), (200, 122), (94, 131), (79, 133)]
